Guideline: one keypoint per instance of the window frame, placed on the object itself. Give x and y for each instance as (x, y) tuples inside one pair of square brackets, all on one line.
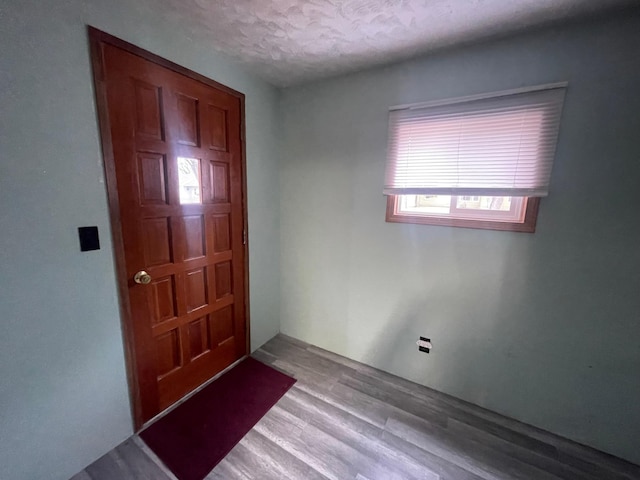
[(531, 193), (526, 226)]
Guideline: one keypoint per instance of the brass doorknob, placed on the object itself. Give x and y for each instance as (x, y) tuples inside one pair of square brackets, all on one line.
[(142, 277)]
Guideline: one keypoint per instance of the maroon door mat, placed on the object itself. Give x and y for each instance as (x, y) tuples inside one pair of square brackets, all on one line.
[(194, 437)]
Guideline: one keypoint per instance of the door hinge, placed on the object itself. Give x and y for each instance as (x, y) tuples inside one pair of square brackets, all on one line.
[(244, 237)]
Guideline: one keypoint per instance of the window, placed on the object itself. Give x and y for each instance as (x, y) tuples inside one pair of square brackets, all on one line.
[(189, 180), (479, 162)]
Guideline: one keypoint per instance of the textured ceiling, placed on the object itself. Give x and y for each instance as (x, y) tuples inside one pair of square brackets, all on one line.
[(292, 41)]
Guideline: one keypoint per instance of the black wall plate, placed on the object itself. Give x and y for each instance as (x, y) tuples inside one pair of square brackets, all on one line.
[(89, 238)]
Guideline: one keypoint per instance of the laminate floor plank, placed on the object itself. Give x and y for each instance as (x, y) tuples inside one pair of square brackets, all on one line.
[(297, 355), (472, 456), (306, 375), (344, 420), (445, 469), (307, 450), (264, 357), (363, 464), (589, 461), (153, 457), (106, 467), (348, 400), (397, 399), (286, 463), (592, 464), (252, 466), (126, 462), (580, 461), (459, 409), (226, 470), (314, 410), (519, 452), (429, 408), (350, 430), (138, 464), (82, 475)]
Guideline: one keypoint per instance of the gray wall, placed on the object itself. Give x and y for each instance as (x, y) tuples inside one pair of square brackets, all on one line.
[(63, 390), (541, 327)]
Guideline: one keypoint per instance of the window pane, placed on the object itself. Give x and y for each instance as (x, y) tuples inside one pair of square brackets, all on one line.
[(189, 180), (467, 207), (484, 203), (425, 204)]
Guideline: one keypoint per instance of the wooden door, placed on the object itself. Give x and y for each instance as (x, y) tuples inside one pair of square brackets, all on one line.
[(174, 144)]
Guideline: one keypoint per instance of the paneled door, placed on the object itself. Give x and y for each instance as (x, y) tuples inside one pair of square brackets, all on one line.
[(174, 155)]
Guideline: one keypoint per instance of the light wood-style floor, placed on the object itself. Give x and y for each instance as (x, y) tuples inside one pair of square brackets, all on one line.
[(344, 420)]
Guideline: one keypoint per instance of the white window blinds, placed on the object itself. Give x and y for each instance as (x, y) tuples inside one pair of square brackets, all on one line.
[(500, 145)]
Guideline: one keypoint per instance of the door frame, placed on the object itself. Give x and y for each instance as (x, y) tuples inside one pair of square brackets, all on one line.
[(97, 38)]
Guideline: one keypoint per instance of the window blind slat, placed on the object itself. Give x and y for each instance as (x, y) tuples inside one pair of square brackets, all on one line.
[(500, 146)]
